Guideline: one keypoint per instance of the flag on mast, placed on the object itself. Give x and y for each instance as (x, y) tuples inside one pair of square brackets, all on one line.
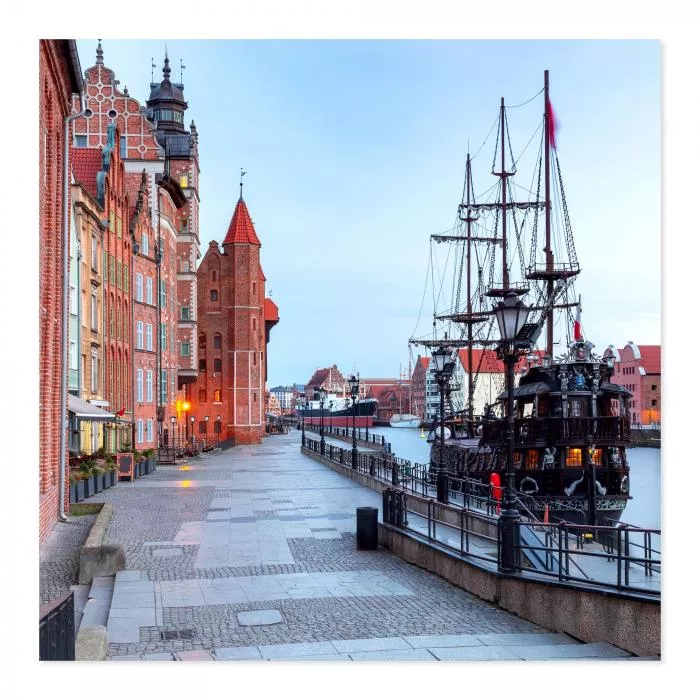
[(552, 125), (577, 323)]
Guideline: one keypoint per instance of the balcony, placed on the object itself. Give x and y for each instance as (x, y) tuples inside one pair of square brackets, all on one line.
[(532, 432)]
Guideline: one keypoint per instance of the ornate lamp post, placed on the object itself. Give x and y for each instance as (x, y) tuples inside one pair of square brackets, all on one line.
[(218, 420), (511, 315), (354, 383), (192, 433), (186, 408), (172, 423), (443, 370), (322, 399), (206, 430), (301, 403)]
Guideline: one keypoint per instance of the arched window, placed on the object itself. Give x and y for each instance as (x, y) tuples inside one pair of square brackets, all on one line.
[(217, 427), (217, 342), (202, 342), (217, 395), (202, 427), (214, 295), (213, 275), (217, 364)]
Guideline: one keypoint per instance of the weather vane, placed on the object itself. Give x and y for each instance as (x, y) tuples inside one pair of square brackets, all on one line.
[(153, 67), (243, 172), (182, 67)]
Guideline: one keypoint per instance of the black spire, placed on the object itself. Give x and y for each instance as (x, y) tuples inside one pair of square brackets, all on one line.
[(166, 68), (99, 60)]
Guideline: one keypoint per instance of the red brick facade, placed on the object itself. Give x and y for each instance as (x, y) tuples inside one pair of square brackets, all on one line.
[(639, 371), (233, 329), (59, 78)]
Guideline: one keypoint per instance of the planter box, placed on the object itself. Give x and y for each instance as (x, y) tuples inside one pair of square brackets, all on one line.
[(98, 482), (89, 486), (105, 480), (73, 493), (112, 477), (151, 465)]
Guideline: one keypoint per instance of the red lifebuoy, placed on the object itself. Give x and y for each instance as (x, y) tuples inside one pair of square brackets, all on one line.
[(496, 490)]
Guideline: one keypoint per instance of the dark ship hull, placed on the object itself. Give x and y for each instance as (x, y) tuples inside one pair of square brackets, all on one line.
[(365, 413)]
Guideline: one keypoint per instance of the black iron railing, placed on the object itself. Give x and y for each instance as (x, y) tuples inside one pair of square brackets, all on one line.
[(57, 630), (360, 435), (554, 431)]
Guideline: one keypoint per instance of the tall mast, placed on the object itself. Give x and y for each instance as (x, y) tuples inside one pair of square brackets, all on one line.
[(503, 175), (549, 258), (470, 385)]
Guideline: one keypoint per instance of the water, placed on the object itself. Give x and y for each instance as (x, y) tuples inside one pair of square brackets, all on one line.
[(643, 509)]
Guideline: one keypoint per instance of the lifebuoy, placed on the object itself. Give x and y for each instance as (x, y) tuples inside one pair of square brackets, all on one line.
[(496, 490), (527, 480)]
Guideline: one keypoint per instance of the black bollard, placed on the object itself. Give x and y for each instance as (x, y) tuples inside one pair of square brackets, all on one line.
[(367, 528)]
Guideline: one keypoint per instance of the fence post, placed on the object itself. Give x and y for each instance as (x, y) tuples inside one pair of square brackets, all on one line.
[(394, 473)]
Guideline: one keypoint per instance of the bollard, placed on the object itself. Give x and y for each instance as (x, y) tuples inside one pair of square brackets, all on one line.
[(367, 528)]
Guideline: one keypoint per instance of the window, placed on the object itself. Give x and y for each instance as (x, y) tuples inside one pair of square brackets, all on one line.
[(93, 370), (122, 146), (149, 386), (214, 295), (163, 294), (93, 256), (202, 342), (573, 457), (255, 397), (217, 395), (149, 336), (119, 274), (119, 323), (185, 266), (596, 456), (139, 385), (80, 141), (217, 365), (139, 431), (202, 427), (254, 323), (149, 430), (73, 355), (144, 243), (653, 402), (185, 349), (202, 395), (73, 300), (213, 275), (532, 459), (217, 342), (139, 335), (163, 337), (578, 407), (185, 313), (111, 269), (173, 377), (164, 386), (202, 365), (653, 387), (139, 286), (217, 427), (183, 180)]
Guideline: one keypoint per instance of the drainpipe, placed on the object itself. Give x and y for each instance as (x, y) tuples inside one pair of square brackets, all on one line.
[(63, 426)]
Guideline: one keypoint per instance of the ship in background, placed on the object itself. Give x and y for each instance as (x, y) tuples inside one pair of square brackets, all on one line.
[(338, 411), (572, 424)]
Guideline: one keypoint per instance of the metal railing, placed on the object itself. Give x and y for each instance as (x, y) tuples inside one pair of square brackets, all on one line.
[(57, 630), (336, 431), (561, 550), (603, 429)]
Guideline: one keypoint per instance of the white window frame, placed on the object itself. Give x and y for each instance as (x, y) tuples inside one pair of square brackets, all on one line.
[(93, 370), (139, 385), (139, 335), (149, 430), (185, 344), (139, 286), (144, 243), (149, 336), (73, 300), (139, 431), (149, 290), (149, 386), (94, 259), (93, 310), (73, 355)]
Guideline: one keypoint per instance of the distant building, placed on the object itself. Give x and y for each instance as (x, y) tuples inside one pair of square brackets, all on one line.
[(418, 380), (638, 369), (328, 378), (285, 397)]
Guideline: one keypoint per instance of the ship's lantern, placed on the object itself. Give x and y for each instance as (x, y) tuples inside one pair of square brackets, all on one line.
[(511, 315)]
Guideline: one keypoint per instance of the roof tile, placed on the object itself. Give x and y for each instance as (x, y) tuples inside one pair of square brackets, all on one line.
[(241, 229)]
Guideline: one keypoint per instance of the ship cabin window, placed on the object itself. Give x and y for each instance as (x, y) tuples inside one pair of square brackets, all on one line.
[(526, 409), (574, 458), (578, 407), (543, 407), (597, 457), (517, 459), (532, 459)]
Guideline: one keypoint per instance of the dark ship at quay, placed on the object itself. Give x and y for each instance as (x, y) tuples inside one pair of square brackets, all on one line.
[(571, 422)]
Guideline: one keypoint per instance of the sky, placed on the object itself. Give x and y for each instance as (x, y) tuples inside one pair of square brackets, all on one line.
[(355, 151)]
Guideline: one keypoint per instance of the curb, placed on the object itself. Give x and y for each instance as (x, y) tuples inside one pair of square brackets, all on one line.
[(97, 559)]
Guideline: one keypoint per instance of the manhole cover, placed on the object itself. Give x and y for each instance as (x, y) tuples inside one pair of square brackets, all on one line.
[(169, 635)]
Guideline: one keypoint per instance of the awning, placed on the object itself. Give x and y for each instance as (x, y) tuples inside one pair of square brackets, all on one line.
[(86, 411), (527, 390)]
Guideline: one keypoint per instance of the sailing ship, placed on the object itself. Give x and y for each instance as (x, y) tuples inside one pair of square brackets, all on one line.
[(338, 411), (571, 422)]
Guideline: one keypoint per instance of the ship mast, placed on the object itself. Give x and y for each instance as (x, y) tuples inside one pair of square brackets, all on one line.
[(470, 335), (549, 257), (503, 176)]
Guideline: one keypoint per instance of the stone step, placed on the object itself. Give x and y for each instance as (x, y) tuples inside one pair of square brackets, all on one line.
[(96, 609)]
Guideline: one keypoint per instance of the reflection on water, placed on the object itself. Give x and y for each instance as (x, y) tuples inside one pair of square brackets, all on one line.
[(643, 509)]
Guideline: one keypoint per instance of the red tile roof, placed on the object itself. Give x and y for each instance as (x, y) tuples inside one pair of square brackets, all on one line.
[(87, 162), (651, 358), (490, 363), (241, 229), (271, 312)]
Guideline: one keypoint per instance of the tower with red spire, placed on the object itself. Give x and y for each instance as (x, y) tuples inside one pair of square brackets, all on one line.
[(228, 399)]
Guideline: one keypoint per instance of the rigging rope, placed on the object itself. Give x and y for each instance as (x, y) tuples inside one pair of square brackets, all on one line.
[(526, 102)]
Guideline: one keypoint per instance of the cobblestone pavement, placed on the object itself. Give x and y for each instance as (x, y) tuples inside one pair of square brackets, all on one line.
[(59, 557), (264, 528)]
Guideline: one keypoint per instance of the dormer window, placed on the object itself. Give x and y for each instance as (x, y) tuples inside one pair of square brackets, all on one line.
[(167, 115)]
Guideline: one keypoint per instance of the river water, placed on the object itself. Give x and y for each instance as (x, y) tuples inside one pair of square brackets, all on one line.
[(643, 509)]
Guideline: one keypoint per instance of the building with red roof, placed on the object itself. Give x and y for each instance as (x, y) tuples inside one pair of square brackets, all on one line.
[(638, 369)]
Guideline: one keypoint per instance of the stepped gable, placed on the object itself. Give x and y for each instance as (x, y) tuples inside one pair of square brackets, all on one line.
[(241, 229), (87, 162)]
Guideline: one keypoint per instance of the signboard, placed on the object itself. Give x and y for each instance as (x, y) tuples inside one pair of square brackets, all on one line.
[(125, 465)]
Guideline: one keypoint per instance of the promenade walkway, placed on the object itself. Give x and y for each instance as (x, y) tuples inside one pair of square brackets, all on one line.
[(251, 554)]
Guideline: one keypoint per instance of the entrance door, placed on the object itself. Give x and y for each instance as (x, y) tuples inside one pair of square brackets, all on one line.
[(165, 437)]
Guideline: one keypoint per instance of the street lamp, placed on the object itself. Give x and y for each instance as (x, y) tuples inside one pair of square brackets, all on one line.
[(354, 383), (192, 424), (443, 369), (172, 422), (511, 315), (206, 430), (301, 404), (218, 420), (322, 398)]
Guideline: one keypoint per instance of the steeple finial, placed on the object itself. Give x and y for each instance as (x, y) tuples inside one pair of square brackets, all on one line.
[(99, 60), (153, 67), (182, 67), (243, 172), (166, 66)]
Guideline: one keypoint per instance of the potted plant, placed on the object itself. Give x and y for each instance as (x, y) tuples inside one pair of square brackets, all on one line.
[(138, 464), (96, 474), (111, 467), (150, 455), (75, 495), (89, 482)]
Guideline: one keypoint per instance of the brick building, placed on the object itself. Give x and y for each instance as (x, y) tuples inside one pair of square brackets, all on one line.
[(235, 320), (418, 380), (638, 369), (59, 79), (330, 379), (153, 139)]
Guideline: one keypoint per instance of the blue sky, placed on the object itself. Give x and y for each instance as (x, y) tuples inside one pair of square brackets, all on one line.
[(355, 154)]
